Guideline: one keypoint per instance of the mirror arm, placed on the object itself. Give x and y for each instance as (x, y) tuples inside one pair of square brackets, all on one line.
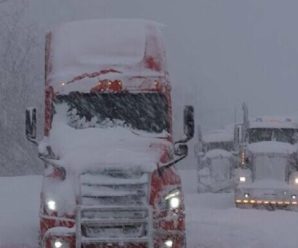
[(181, 141), (33, 141), (55, 164), (162, 167), (52, 162)]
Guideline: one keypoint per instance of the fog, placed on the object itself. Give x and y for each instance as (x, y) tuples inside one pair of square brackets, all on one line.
[(220, 53)]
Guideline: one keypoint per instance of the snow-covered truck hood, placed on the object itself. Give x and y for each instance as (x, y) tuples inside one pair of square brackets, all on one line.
[(96, 148), (270, 160)]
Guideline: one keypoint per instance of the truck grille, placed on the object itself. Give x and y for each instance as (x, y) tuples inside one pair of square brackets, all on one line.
[(113, 209)]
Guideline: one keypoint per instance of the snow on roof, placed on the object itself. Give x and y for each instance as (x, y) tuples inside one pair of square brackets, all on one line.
[(271, 147), (90, 46), (273, 122)]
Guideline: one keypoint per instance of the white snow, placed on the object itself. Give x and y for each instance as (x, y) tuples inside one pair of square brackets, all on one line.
[(62, 192), (19, 211), (217, 153), (95, 46), (220, 135), (96, 148), (93, 43), (212, 219), (215, 174), (271, 147), (81, 149), (214, 222)]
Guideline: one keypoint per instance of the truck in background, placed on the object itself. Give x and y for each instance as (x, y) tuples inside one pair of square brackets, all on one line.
[(108, 147), (215, 161), (267, 169)]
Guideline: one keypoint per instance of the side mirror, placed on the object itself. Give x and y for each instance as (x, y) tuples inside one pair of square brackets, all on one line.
[(31, 124), (189, 122), (181, 150)]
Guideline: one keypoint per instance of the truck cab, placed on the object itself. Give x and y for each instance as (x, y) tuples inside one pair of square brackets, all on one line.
[(267, 173), (215, 161), (108, 149)]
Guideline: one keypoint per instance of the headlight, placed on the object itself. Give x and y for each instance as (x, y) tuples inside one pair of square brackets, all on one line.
[(293, 179), (174, 202), (293, 197), (246, 195), (51, 205), (173, 199), (59, 243), (242, 179), (168, 243)]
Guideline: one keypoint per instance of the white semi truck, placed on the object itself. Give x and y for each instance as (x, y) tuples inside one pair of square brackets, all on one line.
[(215, 161), (267, 171)]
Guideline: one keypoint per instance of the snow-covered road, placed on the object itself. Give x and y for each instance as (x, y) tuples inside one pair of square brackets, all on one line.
[(212, 220), (19, 206)]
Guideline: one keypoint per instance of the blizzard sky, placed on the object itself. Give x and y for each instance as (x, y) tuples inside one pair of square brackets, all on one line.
[(220, 52)]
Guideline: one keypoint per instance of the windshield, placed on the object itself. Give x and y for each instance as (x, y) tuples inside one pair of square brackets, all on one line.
[(224, 145), (272, 134), (142, 111)]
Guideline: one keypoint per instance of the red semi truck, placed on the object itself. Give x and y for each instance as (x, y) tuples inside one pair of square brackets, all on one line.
[(108, 147)]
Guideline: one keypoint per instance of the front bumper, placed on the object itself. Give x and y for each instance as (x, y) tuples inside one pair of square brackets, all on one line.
[(279, 198), (64, 231)]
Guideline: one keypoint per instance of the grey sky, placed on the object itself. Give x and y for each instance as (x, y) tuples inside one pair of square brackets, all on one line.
[(220, 52)]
